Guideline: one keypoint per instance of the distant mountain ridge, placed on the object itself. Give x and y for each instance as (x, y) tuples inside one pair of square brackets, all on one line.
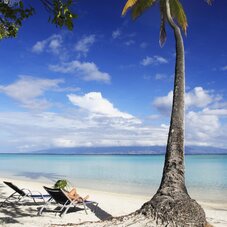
[(130, 150)]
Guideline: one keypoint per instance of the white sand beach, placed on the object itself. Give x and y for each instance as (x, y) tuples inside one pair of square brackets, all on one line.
[(115, 204)]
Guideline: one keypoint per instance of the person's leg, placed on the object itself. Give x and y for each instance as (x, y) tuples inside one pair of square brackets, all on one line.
[(80, 199)]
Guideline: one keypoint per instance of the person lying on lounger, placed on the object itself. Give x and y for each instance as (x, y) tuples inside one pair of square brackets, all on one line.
[(75, 196), (72, 194)]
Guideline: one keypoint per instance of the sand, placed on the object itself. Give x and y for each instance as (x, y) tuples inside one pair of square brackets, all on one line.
[(115, 204)]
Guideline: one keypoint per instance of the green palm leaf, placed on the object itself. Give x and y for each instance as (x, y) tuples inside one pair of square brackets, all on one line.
[(162, 36), (140, 7), (178, 13), (128, 5)]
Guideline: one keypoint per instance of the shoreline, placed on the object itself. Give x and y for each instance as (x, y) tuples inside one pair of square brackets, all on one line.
[(103, 154), (204, 196), (115, 204)]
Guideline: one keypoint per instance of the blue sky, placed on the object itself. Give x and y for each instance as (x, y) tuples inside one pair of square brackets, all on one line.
[(108, 83)]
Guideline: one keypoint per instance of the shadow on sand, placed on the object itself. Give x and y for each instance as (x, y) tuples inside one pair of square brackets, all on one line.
[(12, 211), (98, 212), (36, 175)]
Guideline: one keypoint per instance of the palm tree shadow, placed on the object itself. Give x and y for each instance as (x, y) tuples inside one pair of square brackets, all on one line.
[(7, 218), (99, 212), (12, 211), (37, 175), (57, 209)]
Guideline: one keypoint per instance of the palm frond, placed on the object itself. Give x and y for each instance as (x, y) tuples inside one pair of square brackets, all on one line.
[(177, 12), (140, 7), (128, 5), (162, 35)]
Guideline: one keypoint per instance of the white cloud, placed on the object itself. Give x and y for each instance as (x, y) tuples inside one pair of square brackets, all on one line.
[(224, 68), (87, 128), (96, 104), (160, 76), (198, 97), (216, 112), (95, 121), (203, 120), (29, 91), (164, 103), (39, 47), (129, 42), (206, 127), (77, 128), (154, 117), (34, 131), (201, 123), (116, 34), (144, 45), (202, 128), (155, 60), (52, 44), (87, 70), (83, 45)]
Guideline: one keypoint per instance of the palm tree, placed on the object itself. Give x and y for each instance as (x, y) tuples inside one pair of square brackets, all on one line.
[(171, 203)]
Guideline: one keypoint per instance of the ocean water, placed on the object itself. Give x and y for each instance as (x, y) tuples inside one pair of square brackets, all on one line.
[(206, 175)]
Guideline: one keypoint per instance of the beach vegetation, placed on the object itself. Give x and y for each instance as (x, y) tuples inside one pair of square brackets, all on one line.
[(14, 12)]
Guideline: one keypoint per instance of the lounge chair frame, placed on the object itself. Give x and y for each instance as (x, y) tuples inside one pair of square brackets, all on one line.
[(20, 194), (63, 200)]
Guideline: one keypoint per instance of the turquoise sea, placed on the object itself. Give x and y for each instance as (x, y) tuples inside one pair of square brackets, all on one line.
[(206, 175)]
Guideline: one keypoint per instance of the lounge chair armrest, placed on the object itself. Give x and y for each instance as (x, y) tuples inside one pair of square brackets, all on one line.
[(29, 192), (26, 191), (37, 192)]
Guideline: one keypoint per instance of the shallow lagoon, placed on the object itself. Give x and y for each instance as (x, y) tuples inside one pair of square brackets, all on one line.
[(206, 175)]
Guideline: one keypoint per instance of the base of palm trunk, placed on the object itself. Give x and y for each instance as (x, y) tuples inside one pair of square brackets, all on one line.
[(177, 210)]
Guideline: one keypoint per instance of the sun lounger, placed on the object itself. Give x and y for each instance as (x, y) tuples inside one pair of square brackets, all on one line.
[(20, 194), (63, 201)]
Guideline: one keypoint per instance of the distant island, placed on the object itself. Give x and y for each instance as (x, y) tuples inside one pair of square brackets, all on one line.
[(125, 150)]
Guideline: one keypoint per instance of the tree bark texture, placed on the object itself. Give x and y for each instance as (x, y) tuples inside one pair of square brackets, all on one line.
[(173, 173), (171, 203)]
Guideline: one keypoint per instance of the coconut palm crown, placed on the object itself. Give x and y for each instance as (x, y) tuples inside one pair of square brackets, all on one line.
[(177, 12)]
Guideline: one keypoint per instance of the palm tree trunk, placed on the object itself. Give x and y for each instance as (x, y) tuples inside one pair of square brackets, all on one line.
[(171, 203), (173, 173)]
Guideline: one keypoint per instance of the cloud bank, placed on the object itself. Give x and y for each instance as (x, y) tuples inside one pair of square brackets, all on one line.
[(29, 91), (88, 71)]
